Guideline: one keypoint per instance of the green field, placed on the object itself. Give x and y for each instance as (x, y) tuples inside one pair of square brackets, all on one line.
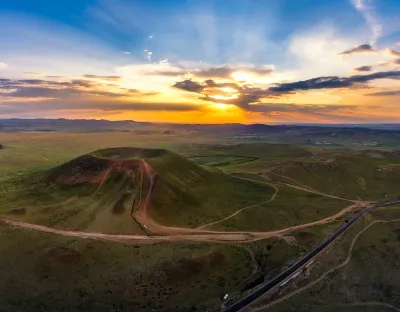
[(44, 271), (88, 182), (351, 175), (290, 207), (25, 152), (369, 280), (220, 160)]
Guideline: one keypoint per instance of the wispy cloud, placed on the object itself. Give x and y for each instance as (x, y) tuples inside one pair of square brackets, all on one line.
[(363, 68), (227, 72), (37, 88), (220, 72), (110, 78), (367, 10), (363, 48), (33, 73), (393, 52), (385, 93)]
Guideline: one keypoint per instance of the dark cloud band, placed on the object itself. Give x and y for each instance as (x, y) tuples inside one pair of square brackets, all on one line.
[(363, 48)]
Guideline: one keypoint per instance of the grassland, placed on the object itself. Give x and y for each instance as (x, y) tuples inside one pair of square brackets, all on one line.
[(289, 207), (51, 272), (363, 271), (25, 152), (217, 197), (43, 271), (220, 160), (350, 176)]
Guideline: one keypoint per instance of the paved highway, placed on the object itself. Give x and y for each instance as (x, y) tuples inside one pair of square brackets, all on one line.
[(265, 287)]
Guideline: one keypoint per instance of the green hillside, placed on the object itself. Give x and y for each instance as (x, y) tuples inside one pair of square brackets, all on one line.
[(367, 176), (101, 191)]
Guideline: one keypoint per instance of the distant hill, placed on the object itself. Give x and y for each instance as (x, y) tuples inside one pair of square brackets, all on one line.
[(71, 125)]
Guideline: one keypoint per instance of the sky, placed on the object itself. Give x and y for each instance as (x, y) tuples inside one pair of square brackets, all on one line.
[(209, 61)]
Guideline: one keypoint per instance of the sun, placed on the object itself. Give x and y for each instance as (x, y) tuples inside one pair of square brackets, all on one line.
[(222, 106), (242, 76), (224, 97)]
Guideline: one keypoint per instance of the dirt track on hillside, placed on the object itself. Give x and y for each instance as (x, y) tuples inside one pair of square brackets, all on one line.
[(152, 226)]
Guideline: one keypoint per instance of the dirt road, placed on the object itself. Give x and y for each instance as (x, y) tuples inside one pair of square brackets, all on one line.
[(175, 234), (242, 209), (161, 233)]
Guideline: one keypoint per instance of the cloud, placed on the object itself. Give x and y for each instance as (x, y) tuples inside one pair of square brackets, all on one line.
[(216, 72), (37, 88), (368, 13), (359, 49), (227, 93), (226, 72), (288, 112), (393, 52), (282, 108), (33, 73), (105, 105), (189, 85), (110, 78), (363, 68), (385, 93), (332, 82), (3, 65), (244, 96), (126, 52)]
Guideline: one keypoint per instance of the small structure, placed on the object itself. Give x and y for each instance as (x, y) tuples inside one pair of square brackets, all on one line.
[(309, 263), (295, 275), (284, 283), (226, 297)]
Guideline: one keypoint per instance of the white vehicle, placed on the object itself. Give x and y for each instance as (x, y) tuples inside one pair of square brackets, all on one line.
[(226, 296)]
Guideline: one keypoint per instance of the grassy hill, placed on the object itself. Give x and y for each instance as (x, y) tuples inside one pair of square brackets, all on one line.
[(290, 207), (101, 191), (365, 175)]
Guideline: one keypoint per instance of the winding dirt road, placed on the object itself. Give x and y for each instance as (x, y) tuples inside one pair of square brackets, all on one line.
[(174, 234), (161, 233)]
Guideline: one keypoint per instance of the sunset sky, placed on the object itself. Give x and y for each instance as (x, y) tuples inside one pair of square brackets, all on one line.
[(208, 61)]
